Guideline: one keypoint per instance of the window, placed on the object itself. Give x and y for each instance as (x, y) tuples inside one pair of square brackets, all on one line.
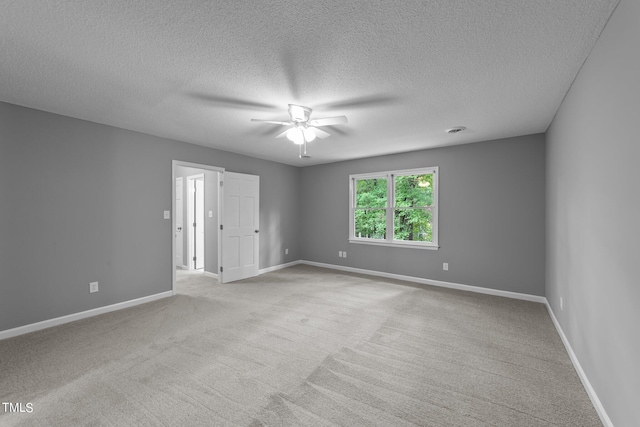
[(396, 208)]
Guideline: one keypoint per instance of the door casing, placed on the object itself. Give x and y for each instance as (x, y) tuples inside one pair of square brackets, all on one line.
[(196, 246), (179, 223)]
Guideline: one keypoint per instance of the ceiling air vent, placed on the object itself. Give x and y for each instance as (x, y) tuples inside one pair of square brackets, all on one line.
[(456, 129)]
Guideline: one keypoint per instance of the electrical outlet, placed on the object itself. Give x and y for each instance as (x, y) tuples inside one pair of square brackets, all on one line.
[(286, 251), (167, 214), (93, 287), (445, 266), (344, 254), (340, 254), (561, 304)]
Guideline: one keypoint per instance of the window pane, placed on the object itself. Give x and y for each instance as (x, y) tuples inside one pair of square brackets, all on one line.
[(371, 193), (414, 190), (370, 223), (413, 225)]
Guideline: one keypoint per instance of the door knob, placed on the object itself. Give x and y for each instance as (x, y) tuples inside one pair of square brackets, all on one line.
[(257, 231), (179, 228)]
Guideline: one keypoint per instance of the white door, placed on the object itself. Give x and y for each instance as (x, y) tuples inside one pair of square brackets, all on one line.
[(240, 227), (195, 189), (179, 223)]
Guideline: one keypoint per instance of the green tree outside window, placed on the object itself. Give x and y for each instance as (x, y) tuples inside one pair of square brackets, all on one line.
[(410, 203)]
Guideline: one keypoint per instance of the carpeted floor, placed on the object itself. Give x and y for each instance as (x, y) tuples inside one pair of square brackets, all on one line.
[(303, 346)]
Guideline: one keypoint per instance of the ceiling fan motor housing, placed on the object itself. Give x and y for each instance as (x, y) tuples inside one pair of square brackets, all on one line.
[(299, 113)]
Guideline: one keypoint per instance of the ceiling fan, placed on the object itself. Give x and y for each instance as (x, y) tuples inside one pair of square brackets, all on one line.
[(302, 129)]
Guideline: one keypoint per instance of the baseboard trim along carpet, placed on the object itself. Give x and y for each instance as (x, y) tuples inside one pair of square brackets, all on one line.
[(210, 274), (604, 417), (280, 266), (20, 330), (461, 287)]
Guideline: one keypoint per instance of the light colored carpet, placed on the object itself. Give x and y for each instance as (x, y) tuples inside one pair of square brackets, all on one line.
[(295, 347)]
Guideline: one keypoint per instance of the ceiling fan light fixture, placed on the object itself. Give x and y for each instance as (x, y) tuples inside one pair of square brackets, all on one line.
[(296, 135), (309, 134)]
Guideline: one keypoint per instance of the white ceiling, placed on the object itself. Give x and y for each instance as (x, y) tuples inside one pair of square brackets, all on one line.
[(401, 71)]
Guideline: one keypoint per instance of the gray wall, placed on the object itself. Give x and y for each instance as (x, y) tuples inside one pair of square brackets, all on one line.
[(211, 224), (83, 202), (491, 215), (593, 206)]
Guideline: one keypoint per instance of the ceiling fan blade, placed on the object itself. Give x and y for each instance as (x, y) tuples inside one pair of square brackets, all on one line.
[(270, 130), (272, 121), (329, 121), (320, 133), (226, 101), (363, 101), (280, 135), (338, 130)]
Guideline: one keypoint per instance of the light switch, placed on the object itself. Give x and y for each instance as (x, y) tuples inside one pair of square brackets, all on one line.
[(167, 214), (210, 214)]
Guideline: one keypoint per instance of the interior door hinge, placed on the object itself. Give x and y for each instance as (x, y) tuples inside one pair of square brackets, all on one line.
[(220, 269), (194, 259), (221, 227), (221, 183)]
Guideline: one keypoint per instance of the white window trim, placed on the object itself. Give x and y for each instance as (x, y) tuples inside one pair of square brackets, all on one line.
[(388, 241)]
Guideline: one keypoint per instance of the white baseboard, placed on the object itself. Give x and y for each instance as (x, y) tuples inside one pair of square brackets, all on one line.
[(214, 275), (604, 417), (20, 330), (450, 285), (279, 267)]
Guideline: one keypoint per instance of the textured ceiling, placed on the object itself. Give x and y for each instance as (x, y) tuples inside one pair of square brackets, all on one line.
[(402, 72)]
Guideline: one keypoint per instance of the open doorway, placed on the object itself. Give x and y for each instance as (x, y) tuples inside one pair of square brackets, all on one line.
[(239, 205), (195, 201)]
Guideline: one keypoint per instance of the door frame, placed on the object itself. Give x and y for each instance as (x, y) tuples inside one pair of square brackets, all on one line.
[(220, 171), (179, 210), (192, 217)]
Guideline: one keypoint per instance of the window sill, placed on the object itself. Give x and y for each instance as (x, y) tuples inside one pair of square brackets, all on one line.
[(394, 244)]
